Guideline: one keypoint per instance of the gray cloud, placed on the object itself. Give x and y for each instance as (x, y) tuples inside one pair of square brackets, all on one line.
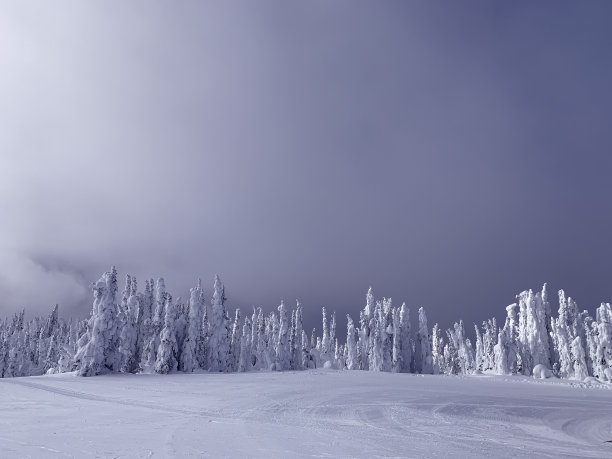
[(449, 155)]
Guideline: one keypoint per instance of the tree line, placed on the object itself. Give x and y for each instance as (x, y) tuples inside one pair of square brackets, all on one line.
[(149, 332)]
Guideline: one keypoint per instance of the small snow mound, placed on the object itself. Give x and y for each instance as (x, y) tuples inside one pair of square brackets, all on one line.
[(541, 372), (327, 364), (608, 374)]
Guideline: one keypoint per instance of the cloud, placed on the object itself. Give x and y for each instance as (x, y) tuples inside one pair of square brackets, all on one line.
[(24, 283), (305, 151)]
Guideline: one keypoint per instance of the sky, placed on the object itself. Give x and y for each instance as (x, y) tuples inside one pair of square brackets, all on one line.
[(448, 154)]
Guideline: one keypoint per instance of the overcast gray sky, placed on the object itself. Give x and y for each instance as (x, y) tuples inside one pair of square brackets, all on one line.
[(450, 154)]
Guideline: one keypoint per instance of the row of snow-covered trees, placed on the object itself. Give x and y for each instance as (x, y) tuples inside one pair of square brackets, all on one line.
[(149, 331), (573, 344)]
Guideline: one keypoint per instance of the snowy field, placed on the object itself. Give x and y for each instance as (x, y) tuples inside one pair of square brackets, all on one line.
[(302, 414)]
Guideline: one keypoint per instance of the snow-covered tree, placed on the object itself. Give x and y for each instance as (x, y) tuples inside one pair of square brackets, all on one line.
[(99, 348), (386, 333), (451, 357), (332, 335), (479, 351), (16, 364), (47, 331), (564, 331), (437, 351), (296, 338), (351, 345), (397, 348), (533, 336), (259, 339), (283, 353), (160, 303), (272, 332), (489, 339), (423, 346), (325, 342), (180, 324), (405, 342), (578, 360), (167, 353), (129, 330), (192, 344), (244, 360), (146, 335), (506, 351), (219, 333), (603, 354), (235, 340), (377, 339), (365, 317)]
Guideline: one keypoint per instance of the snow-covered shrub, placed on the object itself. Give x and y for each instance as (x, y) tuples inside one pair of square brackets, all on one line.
[(542, 372)]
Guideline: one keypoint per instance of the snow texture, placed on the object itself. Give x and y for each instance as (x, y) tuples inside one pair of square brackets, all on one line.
[(315, 413)]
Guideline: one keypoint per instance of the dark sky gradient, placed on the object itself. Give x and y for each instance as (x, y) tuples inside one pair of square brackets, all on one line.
[(450, 154)]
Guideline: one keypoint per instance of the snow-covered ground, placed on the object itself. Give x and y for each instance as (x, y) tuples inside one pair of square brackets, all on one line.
[(302, 414)]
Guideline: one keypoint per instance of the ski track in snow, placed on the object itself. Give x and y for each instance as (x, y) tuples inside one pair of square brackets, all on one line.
[(302, 414)]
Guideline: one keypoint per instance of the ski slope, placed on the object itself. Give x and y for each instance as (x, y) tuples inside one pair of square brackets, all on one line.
[(313, 413)]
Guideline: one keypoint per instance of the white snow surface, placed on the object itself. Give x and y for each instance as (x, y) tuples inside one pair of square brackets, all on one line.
[(315, 413)]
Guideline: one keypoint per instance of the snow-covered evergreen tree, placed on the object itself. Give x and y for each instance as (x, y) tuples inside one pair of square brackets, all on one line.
[(219, 334), (501, 349), (283, 353), (564, 331), (47, 331), (167, 352), (365, 316), (192, 345), (405, 342), (533, 337), (153, 330), (235, 341), (332, 332), (397, 339), (437, 351), (579, 367), (202, 351), (98, 349), (296, 338), (129, 331), (325, 342), (469, 357), (506, 360), (180, 324), (489, 339), (603, 353), (479, 351), (16, 364), (351, 345), (423, 346), (451, 357), (244, 360), (146, 335), (386, 323), (272, 332), (376, 339), (259, 341)]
